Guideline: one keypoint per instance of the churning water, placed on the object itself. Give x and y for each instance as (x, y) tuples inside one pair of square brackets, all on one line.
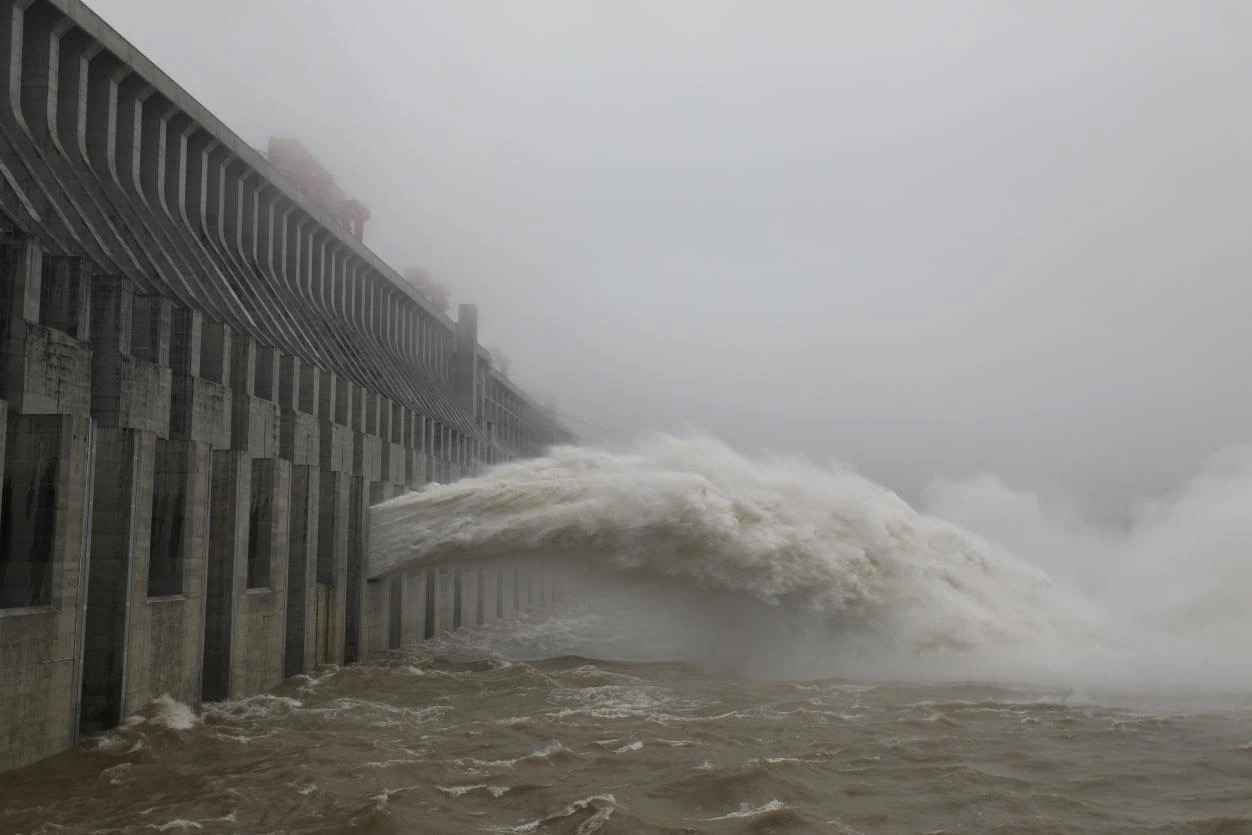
[(750, 646)]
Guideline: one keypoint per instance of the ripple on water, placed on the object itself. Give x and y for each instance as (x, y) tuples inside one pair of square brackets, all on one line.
[(579, 746), (599, 808)]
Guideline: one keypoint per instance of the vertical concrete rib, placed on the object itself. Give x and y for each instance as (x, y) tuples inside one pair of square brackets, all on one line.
[(120, 519), (57, 217), (227, 575)]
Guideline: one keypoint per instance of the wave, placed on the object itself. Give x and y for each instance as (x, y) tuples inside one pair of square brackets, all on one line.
[(745, 810)]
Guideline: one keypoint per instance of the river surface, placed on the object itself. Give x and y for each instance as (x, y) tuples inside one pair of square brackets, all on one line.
[(455, 736)]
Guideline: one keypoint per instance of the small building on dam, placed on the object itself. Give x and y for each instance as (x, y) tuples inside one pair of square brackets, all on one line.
[(207, 380)]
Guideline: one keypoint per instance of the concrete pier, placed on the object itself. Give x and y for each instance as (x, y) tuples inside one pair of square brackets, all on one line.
[(205, 383), (422, 600)]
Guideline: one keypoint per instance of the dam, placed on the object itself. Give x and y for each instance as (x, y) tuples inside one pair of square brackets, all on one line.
[(208, 380)]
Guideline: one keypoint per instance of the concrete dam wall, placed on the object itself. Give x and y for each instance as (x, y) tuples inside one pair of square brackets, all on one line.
[(206, 381)]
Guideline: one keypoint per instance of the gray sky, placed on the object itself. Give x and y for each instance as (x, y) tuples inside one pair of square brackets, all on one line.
[(929, 239)]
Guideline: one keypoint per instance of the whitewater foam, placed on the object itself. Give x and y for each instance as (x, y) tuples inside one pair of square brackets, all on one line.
[(602, 807), (460, 791), (746, 810), (783, 532), (170, 713), (539, 754)]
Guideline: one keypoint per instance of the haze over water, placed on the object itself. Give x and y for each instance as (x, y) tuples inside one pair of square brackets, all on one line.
[(744, 645)]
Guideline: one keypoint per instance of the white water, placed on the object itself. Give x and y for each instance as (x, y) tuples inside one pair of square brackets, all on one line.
[(862, 580)]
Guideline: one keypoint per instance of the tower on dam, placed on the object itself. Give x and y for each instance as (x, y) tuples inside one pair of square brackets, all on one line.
[(207, 380)]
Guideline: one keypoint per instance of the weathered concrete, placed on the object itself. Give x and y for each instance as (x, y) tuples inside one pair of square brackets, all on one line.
[(166, 631), (301, 640), (228, 532), (257, 663), (121, 516), (42, 573), (414, 614), (354, 607)]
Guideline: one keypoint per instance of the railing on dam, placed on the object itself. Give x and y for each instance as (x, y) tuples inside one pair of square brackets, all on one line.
[(204, 387)]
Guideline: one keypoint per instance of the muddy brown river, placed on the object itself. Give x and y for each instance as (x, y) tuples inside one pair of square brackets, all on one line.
[(456, 736)]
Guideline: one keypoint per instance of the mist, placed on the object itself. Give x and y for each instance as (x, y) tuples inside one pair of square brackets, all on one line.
[(930, 241), (1176, 570)]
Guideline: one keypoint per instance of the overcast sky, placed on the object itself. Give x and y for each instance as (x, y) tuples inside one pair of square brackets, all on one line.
[(928, 239)]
